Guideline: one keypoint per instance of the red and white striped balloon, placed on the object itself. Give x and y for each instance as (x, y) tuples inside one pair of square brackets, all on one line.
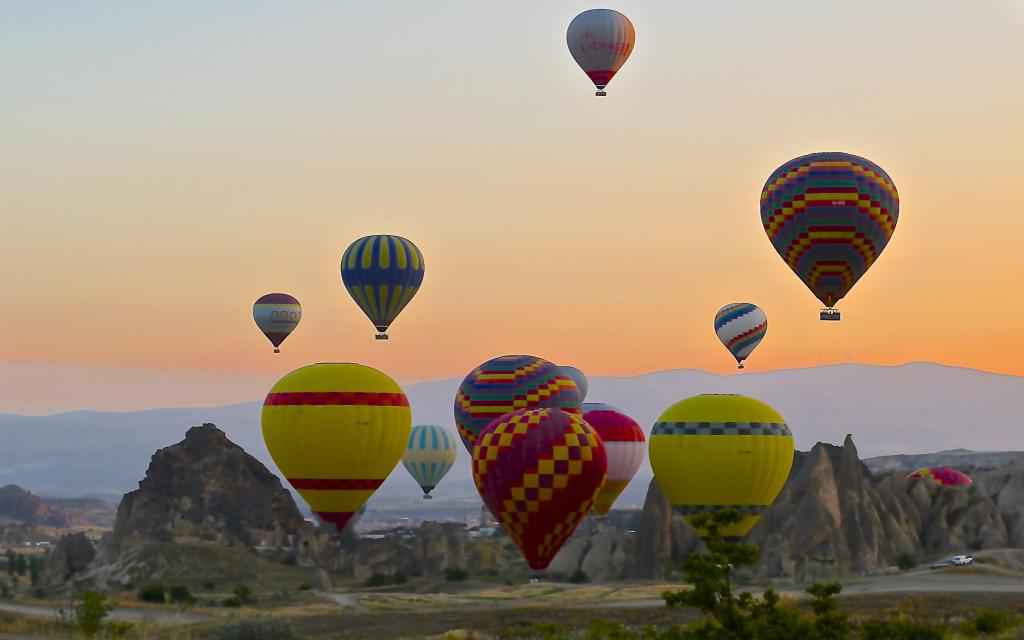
[(624, 444), (600, 40)]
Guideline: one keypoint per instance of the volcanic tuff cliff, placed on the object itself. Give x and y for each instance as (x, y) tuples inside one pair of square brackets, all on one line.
[(835, 518), (206, 489)]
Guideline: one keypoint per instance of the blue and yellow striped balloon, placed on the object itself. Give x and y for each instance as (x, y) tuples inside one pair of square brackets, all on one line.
[(429, 455), (382, 274)]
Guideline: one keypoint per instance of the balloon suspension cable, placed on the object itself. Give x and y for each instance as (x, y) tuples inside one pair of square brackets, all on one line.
[(276, 350)]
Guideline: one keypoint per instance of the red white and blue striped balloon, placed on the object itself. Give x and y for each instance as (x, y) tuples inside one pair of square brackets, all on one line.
[(741, 327)]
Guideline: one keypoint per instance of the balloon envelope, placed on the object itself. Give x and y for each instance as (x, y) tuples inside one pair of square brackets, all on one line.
[(625, 446), (741, 326), (382, 274), (945, 476), (715, 452), (581, 380), (277, 315), (508, 383), (829, 215), (539, 471), (429, 454), (600, 40), (336, 431)]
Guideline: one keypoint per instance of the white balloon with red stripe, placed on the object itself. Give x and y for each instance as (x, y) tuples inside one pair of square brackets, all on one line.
[(600, 40)]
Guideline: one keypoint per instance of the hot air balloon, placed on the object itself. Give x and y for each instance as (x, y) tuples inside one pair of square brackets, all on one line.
[(946, 476), (539, 471), (741, 327), (829, 215), (624, 444), (277, 315), (382, 274), (336, 430), (716, 452), (600, 40), (507, 383), (581, 380), (429, 454)]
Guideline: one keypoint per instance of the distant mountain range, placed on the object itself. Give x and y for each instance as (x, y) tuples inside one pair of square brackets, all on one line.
[(889, 410)]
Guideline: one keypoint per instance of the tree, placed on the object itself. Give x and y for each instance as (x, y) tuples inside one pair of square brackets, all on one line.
[(732, 616), (90, 613), (11, 560), (35, 568), (20, 565)]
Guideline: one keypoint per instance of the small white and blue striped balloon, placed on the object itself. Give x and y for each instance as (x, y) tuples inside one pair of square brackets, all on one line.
[(429, 454), (741, 326)]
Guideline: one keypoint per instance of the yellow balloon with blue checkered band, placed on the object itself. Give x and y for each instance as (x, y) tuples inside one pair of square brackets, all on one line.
[(721, 451)]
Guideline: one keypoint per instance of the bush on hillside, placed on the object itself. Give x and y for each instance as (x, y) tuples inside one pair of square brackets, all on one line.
[(381, 580), (579, 577), (455, 575), (181, 595), (255, 630), (232, 603), (906, 561), (154, 593)]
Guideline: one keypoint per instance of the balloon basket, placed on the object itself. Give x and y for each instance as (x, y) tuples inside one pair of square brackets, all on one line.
[(740, 366), (830, 314), (600, 93), (381, 336), (276, 350), (427, 496)]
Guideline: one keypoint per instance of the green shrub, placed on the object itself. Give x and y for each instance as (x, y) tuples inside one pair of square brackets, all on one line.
[(305, 586), (153, 593), (906, 562), (90, 613), (181, 595), (233, 602), (900, 630), (990, 621), (381, 580), (579, 577), (244, 593), (209, 586), (455, 575), (267, 629)]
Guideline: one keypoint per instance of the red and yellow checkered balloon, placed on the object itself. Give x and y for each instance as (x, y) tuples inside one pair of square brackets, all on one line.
[(539, 471)]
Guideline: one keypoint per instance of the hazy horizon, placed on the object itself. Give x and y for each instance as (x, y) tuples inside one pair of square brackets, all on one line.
[(133, 390)]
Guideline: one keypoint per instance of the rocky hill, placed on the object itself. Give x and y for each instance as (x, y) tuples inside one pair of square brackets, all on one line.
[(833, 518), (206, 488), (23, 507)]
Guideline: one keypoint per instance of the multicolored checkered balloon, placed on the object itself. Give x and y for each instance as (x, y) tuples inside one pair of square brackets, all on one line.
[(509, 383), (829, 215), (539, 472)]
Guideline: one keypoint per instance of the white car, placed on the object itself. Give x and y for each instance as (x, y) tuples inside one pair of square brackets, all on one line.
[(963, 560)]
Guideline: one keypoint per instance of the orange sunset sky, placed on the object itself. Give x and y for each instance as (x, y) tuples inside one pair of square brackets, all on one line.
[(165, 166)]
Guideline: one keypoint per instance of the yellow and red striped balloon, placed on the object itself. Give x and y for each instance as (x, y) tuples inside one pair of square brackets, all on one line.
[(336, 431)]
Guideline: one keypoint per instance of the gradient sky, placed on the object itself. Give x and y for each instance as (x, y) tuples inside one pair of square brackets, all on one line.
[(164, 166)]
